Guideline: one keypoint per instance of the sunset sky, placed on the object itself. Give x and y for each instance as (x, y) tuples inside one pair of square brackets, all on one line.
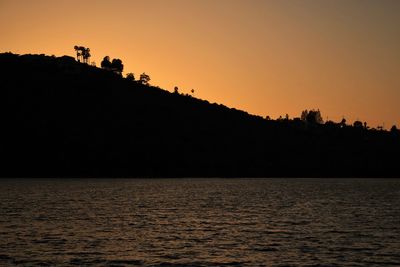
[(265, 57)]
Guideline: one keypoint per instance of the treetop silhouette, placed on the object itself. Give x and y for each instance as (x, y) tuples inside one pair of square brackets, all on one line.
[(312, 116), (144, 78), (130, 76), (115, 65), (82, 54)]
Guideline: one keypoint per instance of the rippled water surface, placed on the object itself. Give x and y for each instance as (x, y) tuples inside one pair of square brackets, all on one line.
[(200, 222)]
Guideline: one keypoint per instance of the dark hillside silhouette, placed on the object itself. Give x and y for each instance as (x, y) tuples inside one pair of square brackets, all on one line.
[(64, 118)]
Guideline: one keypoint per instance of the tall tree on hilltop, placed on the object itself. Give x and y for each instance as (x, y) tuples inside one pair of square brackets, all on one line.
[(82, 54), (86, 55), (78, 53)]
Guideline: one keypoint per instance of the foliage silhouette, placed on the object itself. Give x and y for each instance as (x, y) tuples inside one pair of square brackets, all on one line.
[(115, 65), (311, 117), (144, 79), (106, 63), (130, 76), (358, 124), (65, 119), (82, 54), (394, 130), (343, 122)]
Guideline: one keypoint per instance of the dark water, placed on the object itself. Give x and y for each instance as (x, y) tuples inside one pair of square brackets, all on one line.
[(200, 222)]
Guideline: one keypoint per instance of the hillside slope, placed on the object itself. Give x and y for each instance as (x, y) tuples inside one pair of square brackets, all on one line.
[(61, 118)]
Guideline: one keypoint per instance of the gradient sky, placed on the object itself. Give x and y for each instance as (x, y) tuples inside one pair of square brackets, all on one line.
[(265, 57)]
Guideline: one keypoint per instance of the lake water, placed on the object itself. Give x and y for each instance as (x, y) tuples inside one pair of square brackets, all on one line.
[(200, 222)]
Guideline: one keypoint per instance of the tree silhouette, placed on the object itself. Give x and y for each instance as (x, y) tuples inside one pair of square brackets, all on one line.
[(343, 123), (304, 114), (130, 76), (86, 55), (312, 116), (82, 54), (176, 90), (117, 66), (358, 124), (78, 53), (144, 78), (106, 63)]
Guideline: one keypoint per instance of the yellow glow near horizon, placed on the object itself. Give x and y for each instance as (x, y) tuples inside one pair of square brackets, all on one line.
[(266, 57)]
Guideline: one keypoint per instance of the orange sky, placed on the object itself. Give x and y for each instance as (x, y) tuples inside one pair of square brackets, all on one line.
[(265, 57)]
